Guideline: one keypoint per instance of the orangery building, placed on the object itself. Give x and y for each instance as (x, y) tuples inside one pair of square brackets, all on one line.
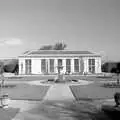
[(47, 62)]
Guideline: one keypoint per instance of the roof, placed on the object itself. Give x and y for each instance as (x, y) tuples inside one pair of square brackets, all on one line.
[(55, 52), (58, 52)]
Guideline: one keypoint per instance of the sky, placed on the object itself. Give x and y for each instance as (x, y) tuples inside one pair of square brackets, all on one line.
[(85, 25)]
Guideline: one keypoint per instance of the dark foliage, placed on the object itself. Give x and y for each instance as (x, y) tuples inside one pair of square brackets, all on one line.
[(108, 66), (1, 67), (11, 66), (57, 46), (47, 47), (116, 70)]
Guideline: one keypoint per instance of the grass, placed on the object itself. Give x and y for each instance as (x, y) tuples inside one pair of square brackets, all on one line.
[(92, 92), (70, 110), (8, 114), (26, 92)]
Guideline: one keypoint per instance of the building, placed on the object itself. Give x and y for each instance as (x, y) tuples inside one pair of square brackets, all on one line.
[(47, 61)]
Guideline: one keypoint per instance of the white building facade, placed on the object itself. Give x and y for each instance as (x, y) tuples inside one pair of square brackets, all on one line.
[(47, 62)]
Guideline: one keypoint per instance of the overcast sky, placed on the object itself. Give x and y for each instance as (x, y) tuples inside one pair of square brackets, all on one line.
[(92, 25)]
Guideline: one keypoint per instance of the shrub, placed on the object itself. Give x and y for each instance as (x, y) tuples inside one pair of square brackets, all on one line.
[(111, 85), (11, 66)]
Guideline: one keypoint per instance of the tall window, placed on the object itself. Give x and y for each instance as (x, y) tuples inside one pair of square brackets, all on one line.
[(91, 63), (28, 66), (43, 66), (21, 68), (51, 65), (76, 65), (59, 62), (68, 65)]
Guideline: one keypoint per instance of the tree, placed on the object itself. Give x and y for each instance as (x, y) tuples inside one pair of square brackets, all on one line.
[(116, 70), (11, 66), (2, 79), (46, 47), (57, 46), (60, 46)]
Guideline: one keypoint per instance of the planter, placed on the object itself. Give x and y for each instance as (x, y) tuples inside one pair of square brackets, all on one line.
[(4, 101)]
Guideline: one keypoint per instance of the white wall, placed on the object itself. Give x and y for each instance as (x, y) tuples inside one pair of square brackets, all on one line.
[(21, 61), (36, 66), (98, 65)]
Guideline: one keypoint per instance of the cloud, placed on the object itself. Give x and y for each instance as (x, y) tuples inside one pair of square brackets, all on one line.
[(10, 41)]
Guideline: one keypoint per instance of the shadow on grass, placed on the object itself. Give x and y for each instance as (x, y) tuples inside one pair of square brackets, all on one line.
[(8, 86), (8, 114), (87, 111)]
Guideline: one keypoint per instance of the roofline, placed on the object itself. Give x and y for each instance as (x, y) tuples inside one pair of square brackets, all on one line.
[(65, 55), (77, 54)]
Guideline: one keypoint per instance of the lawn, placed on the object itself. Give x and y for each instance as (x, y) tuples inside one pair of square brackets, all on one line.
[(8, 114), (93, 91), (26, 92)]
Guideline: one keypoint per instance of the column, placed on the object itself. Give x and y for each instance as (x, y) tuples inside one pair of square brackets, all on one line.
[(40, 66), (72, 65), (48, 65), (98, 65), (55, 65), (85, 64)]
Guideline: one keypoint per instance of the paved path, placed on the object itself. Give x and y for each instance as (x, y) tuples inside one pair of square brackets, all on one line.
[(59, 92)]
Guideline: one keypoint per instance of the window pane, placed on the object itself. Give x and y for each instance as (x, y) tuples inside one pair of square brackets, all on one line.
[(28, 66), (59, 62), (68, 65), (51, 65), (76, 65), (91, 63), (43, 66)]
